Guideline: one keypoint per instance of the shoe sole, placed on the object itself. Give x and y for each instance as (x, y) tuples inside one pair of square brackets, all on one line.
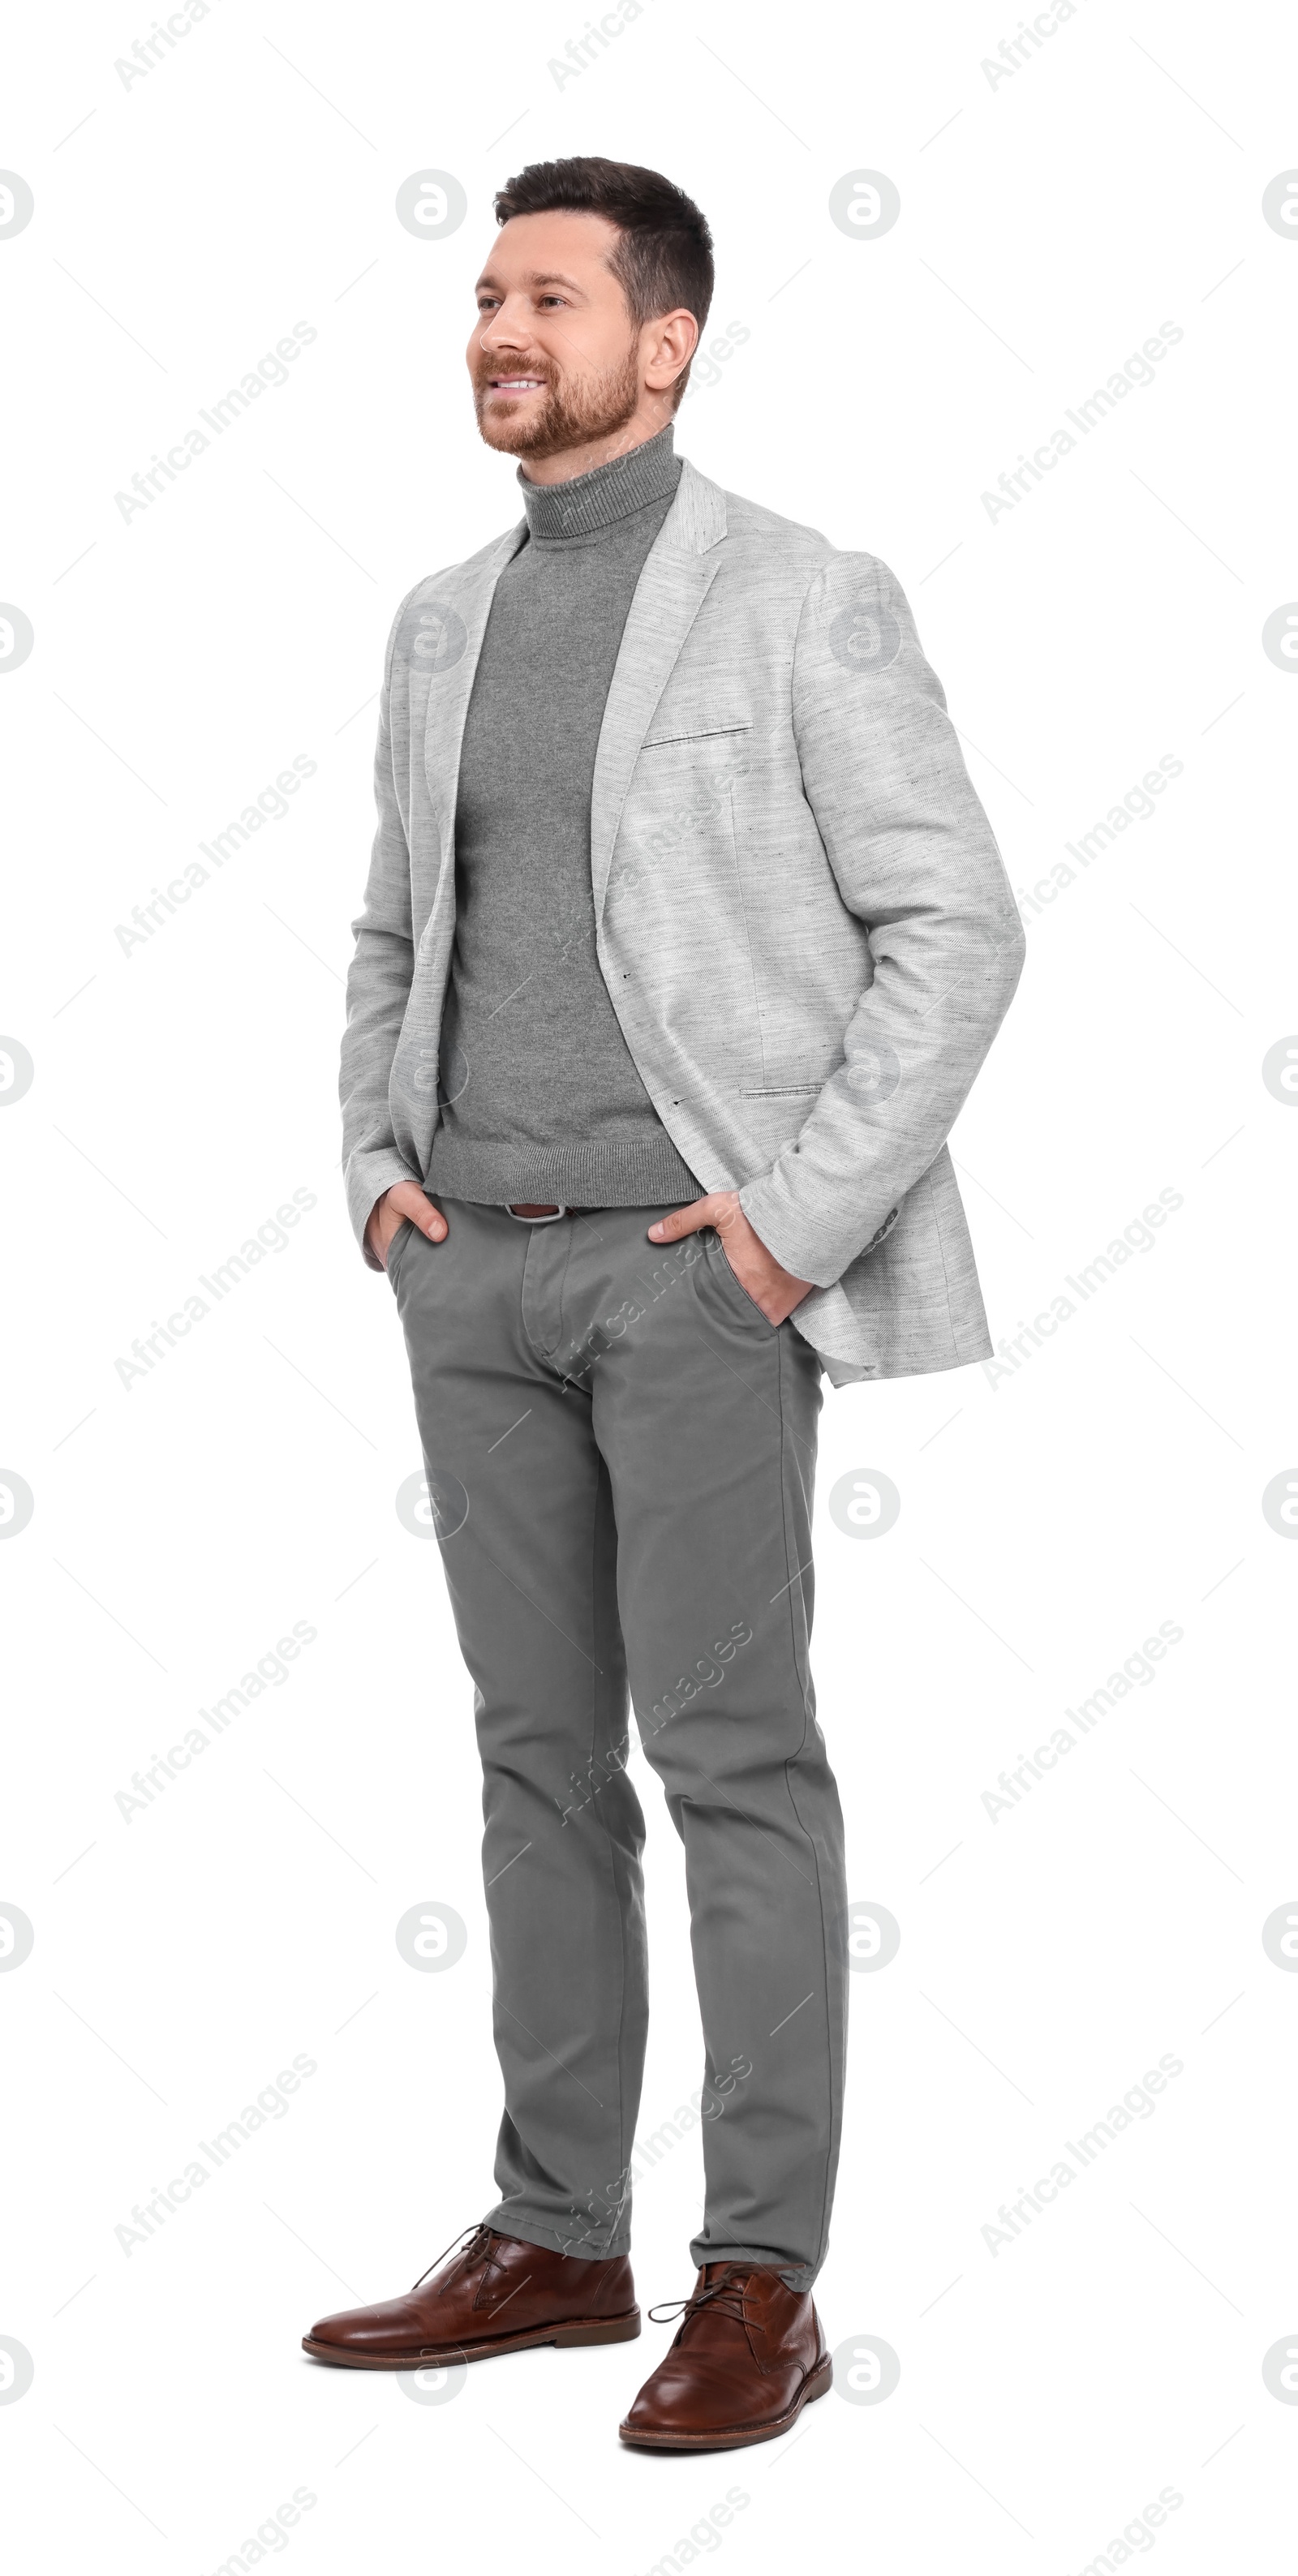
[(576, 2330), (738, 2438)]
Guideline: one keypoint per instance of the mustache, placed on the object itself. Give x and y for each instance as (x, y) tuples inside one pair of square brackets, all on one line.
[(489, 367)]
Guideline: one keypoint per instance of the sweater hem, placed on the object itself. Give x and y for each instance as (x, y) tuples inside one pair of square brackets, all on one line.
[(626, 1174)]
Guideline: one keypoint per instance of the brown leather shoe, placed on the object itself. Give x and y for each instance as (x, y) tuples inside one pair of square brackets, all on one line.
[(495, 2295), (748, 2357)]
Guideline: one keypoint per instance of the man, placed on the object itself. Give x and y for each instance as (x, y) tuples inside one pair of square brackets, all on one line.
[(683, 940)]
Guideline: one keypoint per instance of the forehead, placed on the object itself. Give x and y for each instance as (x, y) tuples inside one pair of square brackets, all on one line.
[(560, 248)]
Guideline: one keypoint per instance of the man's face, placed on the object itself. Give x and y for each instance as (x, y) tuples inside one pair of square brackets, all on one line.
[(553, 356)]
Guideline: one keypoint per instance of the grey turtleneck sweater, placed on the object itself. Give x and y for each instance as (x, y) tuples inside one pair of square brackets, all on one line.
[(541, 1097)]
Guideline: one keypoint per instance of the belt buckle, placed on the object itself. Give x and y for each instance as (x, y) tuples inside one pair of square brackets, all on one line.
[(535, 1220)]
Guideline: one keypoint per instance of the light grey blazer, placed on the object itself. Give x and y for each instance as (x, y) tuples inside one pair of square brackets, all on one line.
[(801, 914)]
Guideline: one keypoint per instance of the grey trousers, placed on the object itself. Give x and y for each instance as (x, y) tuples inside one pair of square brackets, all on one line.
[(620, 1451)]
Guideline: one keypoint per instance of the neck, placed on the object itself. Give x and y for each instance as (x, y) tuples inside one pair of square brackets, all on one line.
[(584, 504)]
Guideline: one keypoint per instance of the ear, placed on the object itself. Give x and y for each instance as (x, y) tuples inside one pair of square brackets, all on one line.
[(667, 345)]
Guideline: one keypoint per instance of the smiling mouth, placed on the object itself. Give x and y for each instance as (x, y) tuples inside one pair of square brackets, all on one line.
[(516, 384)]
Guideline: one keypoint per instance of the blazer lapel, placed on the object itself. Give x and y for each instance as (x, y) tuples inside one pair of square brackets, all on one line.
[(471, 596), (679, 570)]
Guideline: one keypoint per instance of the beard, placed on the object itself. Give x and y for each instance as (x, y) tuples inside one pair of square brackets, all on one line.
[(573, 409)]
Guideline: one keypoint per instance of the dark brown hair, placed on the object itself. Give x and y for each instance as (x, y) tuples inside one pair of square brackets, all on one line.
[(664, 258)]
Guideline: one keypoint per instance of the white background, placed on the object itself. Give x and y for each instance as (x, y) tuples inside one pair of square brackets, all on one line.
[(1050, 1521)]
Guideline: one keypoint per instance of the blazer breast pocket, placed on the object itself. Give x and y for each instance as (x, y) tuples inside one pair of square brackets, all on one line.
[(684, 736)]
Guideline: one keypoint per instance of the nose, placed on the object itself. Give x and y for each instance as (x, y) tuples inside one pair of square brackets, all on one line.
[(506, 329)]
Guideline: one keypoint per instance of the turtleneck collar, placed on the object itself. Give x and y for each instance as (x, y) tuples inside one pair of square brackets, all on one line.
[(593, 501)]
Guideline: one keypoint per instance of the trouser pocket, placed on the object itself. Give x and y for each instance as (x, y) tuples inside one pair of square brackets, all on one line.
[(396, 1249)]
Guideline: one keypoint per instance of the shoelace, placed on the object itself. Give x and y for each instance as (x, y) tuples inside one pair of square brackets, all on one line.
[(475, 2240), (726, 2296)]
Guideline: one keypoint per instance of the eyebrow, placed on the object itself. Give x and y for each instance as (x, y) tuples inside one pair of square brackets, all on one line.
[(535, 277)]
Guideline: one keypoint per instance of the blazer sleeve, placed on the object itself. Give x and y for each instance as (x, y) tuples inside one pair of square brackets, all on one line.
[(915, 860), (379, 978)]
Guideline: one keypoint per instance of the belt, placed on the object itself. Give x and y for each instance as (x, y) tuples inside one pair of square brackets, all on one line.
[(526, 1212)]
